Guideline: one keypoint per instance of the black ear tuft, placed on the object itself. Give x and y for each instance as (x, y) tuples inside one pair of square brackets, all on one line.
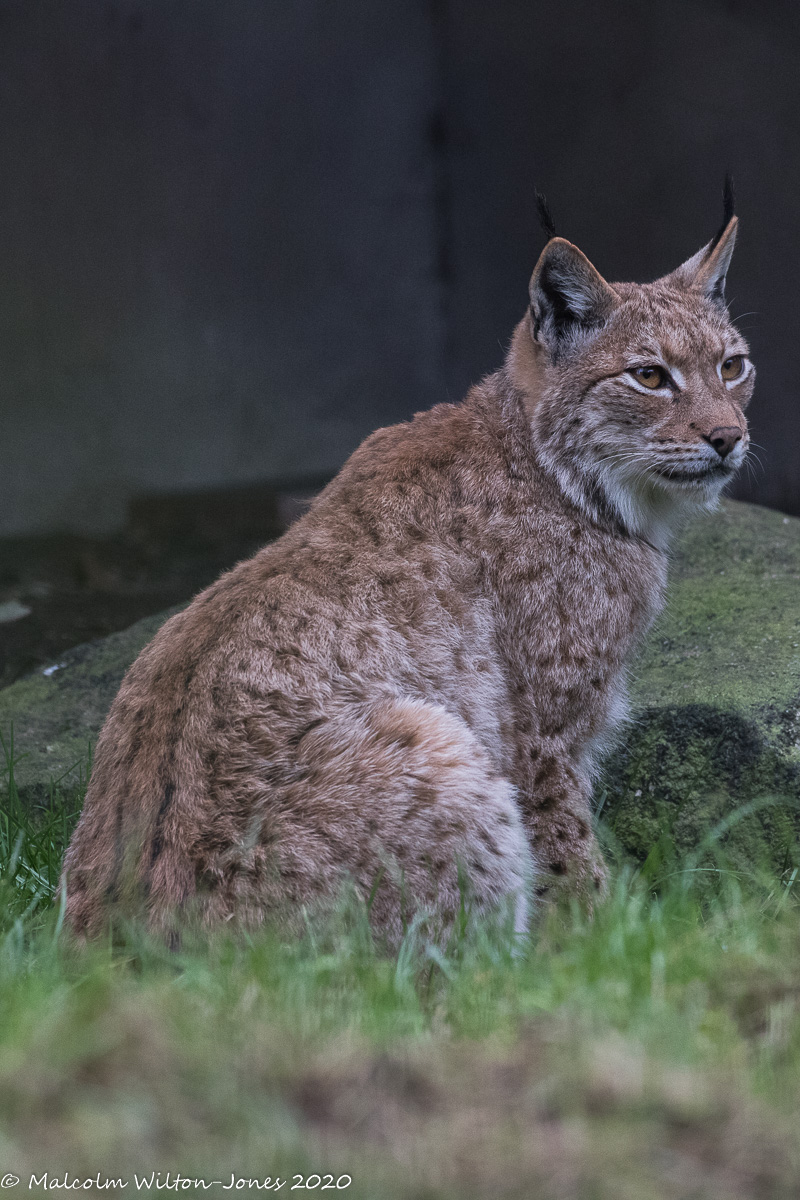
[(728, 197), (728, 206), (545, 216)]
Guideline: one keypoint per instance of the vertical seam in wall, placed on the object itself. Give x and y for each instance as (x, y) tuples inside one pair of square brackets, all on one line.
[(439, 139)]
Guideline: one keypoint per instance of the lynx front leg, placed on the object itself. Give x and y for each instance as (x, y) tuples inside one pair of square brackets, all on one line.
[(557, 812)]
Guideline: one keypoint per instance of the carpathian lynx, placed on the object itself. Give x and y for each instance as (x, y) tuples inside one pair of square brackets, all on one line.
[(413, 685)]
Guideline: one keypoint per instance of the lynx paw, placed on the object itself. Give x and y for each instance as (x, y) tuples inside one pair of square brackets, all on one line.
[(583, 878)]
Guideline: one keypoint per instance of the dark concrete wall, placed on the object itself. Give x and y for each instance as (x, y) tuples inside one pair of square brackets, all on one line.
[(236, 237), (216, 241)]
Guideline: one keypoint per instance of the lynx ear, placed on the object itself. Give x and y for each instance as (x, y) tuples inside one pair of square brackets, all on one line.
[(706, 271), (568, 295)]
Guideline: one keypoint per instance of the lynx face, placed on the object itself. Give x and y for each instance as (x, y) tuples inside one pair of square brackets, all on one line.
[(644, 385)]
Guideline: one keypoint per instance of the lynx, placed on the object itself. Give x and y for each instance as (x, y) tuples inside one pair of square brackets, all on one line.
[(413, 686)]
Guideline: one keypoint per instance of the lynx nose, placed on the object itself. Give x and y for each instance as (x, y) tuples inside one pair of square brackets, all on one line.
[(724, 439)]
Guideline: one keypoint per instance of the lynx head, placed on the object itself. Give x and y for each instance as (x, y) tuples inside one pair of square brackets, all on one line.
[(640, 388)]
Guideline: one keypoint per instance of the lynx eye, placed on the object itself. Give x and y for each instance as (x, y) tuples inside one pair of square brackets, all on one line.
[(732, 367), (652, 377)]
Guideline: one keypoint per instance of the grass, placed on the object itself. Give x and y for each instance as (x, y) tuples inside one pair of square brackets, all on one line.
[(651, 1052)]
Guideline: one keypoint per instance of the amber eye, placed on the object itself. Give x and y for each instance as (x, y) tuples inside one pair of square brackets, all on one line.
[(732, 367), (652, 377)]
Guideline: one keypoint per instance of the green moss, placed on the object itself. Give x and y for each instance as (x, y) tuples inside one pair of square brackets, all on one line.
[(717, 698), (730, 634), (56, 718), (684, 772)]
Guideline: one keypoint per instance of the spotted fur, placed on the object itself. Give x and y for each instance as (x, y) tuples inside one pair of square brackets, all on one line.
[(414, 684)]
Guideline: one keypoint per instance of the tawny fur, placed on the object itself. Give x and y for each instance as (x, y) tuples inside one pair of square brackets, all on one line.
[(415, 682)]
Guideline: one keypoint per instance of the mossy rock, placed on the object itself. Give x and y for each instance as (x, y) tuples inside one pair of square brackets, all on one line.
[(716, 697), (52, 718), (714, 748)]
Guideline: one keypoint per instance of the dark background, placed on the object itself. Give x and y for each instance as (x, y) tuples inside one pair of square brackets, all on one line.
[(237, 236)]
